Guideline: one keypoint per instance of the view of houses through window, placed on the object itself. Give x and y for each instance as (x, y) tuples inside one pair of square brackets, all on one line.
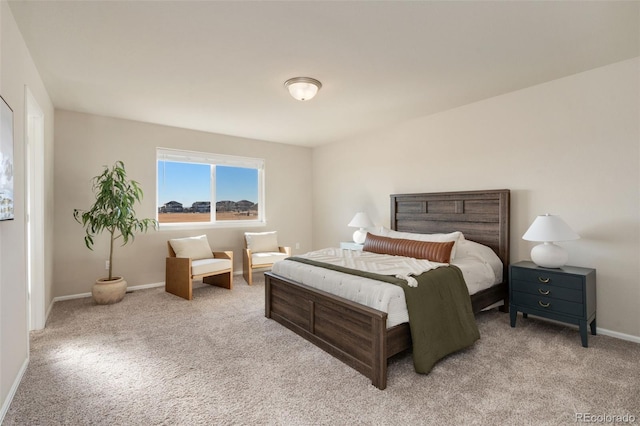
[(189, 183)]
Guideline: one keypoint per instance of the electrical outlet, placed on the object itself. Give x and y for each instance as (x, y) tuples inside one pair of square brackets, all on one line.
[(106, 264), (297, 245)]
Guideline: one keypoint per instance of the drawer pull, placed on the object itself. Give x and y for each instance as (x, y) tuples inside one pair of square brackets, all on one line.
[(544, 293), (544, 305), (544, 280)]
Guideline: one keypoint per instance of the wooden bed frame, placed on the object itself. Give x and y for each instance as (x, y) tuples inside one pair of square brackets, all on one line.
[(357, 334)]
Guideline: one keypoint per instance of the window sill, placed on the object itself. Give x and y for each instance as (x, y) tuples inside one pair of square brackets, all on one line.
[(209, 225)]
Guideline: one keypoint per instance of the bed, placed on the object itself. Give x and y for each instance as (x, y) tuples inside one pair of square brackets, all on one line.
[(357, 334)]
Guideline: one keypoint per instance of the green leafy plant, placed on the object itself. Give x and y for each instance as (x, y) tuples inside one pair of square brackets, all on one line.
[(113, 210)]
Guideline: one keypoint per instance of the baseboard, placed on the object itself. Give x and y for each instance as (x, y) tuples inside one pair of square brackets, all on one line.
[(83, 295), (7, 402), (145, 286), (132, 288), (46, 315), (617, 335), (603, 331), (71, 296)]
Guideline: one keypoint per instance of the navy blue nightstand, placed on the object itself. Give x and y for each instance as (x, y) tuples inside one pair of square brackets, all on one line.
[(566, 294)]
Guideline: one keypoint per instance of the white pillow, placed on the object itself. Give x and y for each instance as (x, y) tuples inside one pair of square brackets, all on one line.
[(192, 247), (456, 237), (261, 242), (467, 248)]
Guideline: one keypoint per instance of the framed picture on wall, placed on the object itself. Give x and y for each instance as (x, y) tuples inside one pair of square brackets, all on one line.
[(6, 161)]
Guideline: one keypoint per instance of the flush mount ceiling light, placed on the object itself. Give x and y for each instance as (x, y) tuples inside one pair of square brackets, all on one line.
[(303, 88)]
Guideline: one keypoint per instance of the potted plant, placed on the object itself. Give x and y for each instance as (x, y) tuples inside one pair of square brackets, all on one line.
[(113, 212)]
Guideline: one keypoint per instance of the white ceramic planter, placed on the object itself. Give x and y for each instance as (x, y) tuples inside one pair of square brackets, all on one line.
[(107, 292)]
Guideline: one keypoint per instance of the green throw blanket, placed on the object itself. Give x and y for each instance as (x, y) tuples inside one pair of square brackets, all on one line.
[(440, 314)]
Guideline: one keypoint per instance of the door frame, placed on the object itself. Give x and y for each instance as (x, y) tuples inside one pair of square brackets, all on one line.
[(34, 171)]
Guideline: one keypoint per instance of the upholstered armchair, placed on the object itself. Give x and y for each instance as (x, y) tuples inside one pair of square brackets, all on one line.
[(192, 258), (261, 250)]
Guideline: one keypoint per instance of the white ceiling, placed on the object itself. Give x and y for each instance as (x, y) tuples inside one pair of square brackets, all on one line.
[(220, 66)]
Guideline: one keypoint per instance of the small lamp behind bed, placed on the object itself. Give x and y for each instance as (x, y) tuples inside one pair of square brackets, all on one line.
[(361, 221)]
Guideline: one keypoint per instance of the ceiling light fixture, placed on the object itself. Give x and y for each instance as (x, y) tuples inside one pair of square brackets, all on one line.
[(303, 88)]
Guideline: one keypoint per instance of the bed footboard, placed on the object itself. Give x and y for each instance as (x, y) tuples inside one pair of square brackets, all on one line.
[(353, 333)]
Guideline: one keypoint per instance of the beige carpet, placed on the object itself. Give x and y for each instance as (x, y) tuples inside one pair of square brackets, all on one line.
[(155, 359)]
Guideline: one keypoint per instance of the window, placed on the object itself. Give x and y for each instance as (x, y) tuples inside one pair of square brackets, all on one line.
[(202, 188)]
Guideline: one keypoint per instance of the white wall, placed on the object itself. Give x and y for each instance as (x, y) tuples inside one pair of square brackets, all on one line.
[(568, 147), (84, 143), (17, 70)]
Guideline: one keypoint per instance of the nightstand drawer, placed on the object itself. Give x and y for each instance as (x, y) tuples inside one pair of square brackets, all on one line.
[(546, 290), (526, 300), (544, 276)]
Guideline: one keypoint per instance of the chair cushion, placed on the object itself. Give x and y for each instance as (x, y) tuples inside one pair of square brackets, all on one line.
[(208, 266), (268, 258), (260, 242), (192, 247)]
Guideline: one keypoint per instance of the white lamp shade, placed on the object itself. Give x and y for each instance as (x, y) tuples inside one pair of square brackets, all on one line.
[(549, 228), (360, 220), (302, 88)]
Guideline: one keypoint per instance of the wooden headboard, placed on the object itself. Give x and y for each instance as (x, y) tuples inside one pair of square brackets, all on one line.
[(482, 216)]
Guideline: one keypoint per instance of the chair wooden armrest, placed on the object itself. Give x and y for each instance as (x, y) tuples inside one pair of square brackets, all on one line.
[(223, 255), (178, 278), (286, 250), (247, 267)]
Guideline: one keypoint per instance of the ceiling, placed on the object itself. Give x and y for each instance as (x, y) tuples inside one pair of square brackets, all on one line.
[(220, 66)]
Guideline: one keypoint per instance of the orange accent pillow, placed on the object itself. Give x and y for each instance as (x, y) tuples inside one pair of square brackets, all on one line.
[(429, 250)]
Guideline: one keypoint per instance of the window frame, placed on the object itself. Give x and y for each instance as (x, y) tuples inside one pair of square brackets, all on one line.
[(184, 156)]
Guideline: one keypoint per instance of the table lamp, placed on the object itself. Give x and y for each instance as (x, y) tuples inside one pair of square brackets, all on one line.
[(361, 221), (548, 229)]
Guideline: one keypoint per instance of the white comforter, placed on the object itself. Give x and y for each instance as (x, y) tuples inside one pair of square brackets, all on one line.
[(478, 274), (384, 264)]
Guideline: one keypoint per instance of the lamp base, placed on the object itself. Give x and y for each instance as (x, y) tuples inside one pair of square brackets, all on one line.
[(359, 236), (549, 255)]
